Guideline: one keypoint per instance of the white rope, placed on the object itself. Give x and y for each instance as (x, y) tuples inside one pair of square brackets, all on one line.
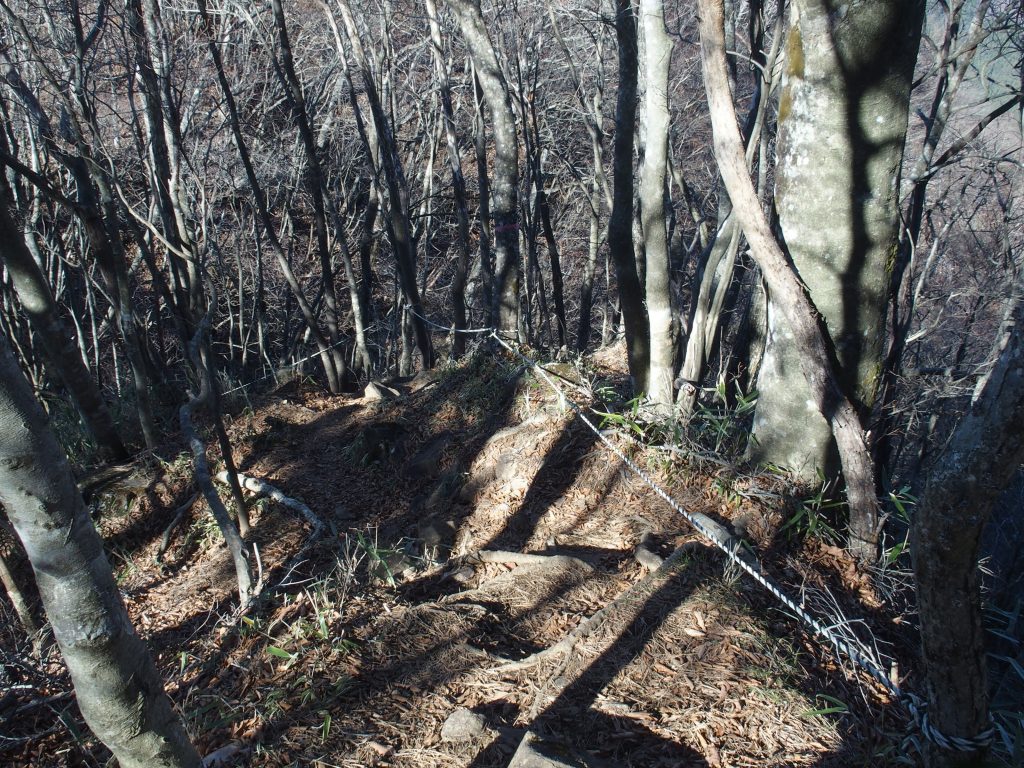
[(285, 367), (914, 705)]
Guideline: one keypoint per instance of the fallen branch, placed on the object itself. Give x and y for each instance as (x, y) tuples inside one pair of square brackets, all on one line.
[(263, 488)]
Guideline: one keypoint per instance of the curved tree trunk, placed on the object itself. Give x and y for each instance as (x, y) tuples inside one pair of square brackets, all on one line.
[(116, 682), (805, 327)]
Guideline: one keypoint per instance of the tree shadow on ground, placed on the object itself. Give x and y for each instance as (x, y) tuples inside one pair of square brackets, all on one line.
[(557, 473), (571, 718)]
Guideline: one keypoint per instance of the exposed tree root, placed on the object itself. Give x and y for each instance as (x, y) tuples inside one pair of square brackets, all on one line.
[(637, 591), (513, 558), (524, 558)]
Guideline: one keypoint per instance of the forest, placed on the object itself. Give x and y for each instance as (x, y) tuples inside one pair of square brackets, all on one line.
[(485, 382)]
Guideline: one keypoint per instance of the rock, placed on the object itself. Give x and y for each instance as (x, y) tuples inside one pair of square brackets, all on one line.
[(463, 725), (447, 487), (377, 391), (426, 461), (437, 537), (534, 753), (424, 379), (565, 371)]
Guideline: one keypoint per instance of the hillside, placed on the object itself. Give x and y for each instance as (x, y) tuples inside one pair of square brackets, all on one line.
[(485, 579)]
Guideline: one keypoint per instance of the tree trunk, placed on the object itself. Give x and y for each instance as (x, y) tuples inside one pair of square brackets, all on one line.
[(40, 638), (842, 122), (207, 397), (483, 211), (505, 180), (713, 278), (117, 685), (657, 58), (620, 225), (816, 361), (984, 454)]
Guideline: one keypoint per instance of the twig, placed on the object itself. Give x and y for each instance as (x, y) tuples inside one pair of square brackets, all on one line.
[(179, 515)]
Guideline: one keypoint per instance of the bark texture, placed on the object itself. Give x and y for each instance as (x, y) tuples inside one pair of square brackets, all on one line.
[(116, 683), (657, 57), (816, 361), (984, 454), (842, 124)]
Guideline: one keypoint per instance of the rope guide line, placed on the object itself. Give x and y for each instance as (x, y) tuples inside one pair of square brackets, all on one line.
[(296, 364), (913, 704)]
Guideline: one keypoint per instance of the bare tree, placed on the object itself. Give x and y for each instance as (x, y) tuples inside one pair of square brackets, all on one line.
[(653, 173), (505, 182), (620, 225), (806, 329), (116, 682)]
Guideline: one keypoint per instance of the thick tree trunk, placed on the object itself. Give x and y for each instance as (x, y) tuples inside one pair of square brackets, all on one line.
[(984, 454), (842, 122), (505, 180), (816, 361), (117, 686), (657, 58), (620, 225)]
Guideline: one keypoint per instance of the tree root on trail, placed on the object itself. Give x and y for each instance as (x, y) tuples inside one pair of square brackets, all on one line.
[(638, 591), (527, 560), (645, 555), (524, 558)]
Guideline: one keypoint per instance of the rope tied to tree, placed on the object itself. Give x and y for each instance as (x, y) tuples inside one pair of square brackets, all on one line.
[(914, 705)]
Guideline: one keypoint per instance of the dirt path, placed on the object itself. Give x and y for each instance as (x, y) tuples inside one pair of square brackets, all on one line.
[(396, 644)]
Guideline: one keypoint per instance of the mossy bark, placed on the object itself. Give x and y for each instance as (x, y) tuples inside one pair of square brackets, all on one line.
[(842, 124)]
